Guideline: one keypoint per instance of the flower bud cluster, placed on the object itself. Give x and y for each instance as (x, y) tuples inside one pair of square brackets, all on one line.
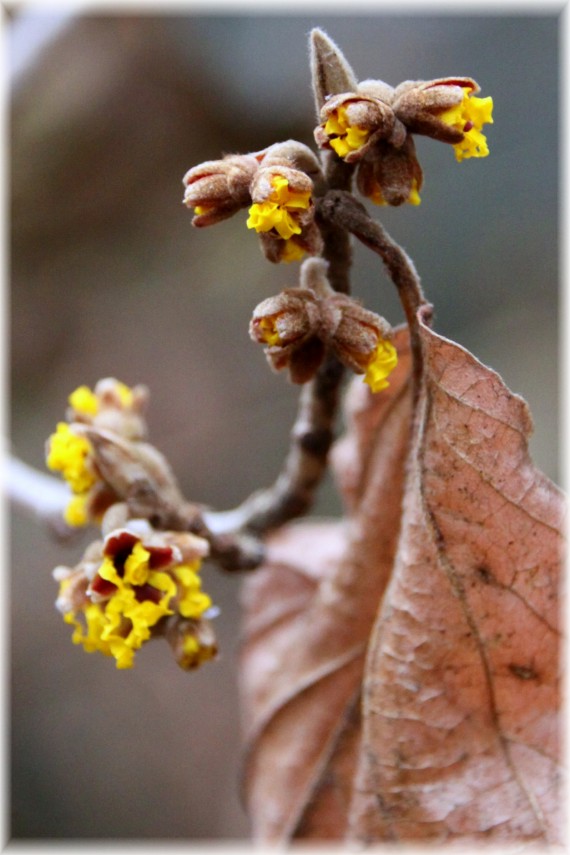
[(372, 128), (277, 184), (299, 324)]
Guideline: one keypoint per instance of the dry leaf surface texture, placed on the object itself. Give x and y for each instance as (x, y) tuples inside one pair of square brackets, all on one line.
[(400, 667)]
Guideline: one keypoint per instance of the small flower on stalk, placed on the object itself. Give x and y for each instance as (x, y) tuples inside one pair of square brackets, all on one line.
[(372, 127), (297, 326), (283, 213), (127, 588), (289, 325), (218, 189), (469, 117), (353, 122), (111, 405), (361, 340), (101, 453), (277, 184)]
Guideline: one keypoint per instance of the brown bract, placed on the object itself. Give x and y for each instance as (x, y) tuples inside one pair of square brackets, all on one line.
[(400, 669)]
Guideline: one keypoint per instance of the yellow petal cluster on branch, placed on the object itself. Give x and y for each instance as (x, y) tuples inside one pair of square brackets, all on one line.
[(111, 406), (127, 589), (372, 127), (280, 210), (469, 116), (297, 325)]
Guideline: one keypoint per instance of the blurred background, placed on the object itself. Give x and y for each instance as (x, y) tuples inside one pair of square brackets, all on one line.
[(107, 278)]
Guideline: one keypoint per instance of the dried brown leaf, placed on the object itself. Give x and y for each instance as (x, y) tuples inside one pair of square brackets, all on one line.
[(404, 685)]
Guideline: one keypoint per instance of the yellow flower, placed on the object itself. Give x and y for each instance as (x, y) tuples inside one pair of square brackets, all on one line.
[(75, 514), (84, 401), (193, 602), (70, 454), (278, 211), (382, 362), (268, 331), (469, 116), (127, 597), (136, 565), (344, 137)]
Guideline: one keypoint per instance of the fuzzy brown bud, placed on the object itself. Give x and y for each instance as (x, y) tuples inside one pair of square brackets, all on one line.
[(218, 189), (192, 641), (289, 327), (354, 332), (389, 175), (330, 70), (295, 155), (351, 123)]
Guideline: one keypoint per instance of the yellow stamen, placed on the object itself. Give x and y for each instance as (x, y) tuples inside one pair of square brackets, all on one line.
[(84, 401), (69, 454), (278, 211), (382, 362), (136, 565), (343, 136), (75, 513), (268, 331), (193, 602), (469, 116)]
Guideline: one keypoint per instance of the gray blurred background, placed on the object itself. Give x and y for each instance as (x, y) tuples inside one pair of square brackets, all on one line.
[(107, 278)]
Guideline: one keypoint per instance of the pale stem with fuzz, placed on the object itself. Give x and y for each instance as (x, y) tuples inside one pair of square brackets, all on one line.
[(341, 208)]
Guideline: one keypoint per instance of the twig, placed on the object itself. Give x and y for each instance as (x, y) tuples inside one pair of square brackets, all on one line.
[(39, 495), (312, 435), (342, 209)]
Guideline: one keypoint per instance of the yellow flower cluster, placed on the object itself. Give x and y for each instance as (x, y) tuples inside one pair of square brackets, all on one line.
[(128, 597), (71, 455), (469, 116), (279, 210), (344, 137)]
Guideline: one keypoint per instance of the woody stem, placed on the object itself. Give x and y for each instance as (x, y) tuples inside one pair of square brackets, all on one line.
[(312, 435)]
